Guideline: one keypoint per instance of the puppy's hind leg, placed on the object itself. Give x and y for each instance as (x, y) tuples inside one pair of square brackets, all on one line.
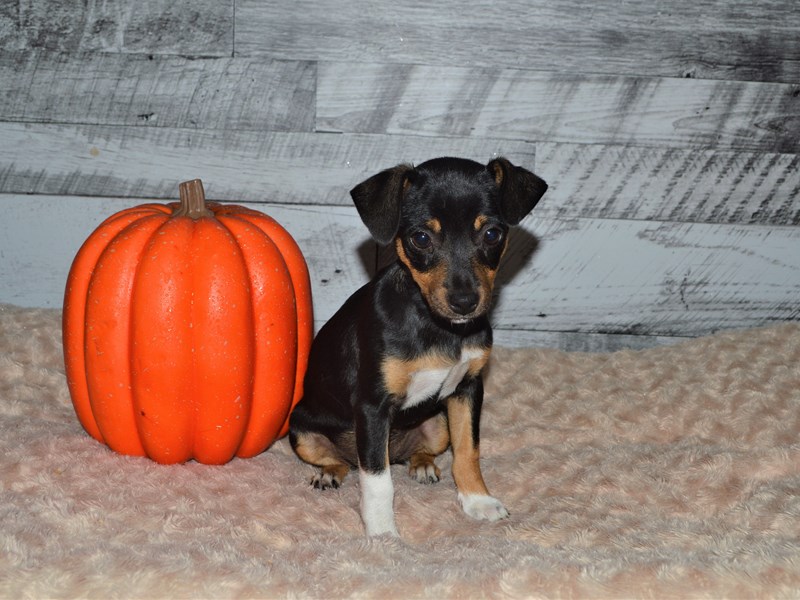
[(432, 439), (423, 468), (318, 450)]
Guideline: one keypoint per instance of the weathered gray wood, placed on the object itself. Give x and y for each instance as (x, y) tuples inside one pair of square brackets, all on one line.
[(579, 342), (671, 193), (647, 278), (669, 184), (163, 91), (733, 39), (588, 276), (558, 107), (198, 27), (282, 168), (40, 235)]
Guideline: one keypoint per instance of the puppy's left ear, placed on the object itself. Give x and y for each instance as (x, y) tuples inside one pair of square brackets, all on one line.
[(378, 201), (520, 189)]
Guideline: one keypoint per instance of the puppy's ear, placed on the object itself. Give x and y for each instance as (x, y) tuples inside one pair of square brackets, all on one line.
[(520, 189), (378, 201)]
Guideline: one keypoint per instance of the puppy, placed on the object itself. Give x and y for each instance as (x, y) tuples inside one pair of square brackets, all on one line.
[(395, 375)]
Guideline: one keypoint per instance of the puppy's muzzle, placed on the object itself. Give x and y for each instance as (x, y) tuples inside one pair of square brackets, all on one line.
[(463, 303)]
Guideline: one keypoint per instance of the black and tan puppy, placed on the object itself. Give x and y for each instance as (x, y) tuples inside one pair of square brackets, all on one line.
[(395, 375)]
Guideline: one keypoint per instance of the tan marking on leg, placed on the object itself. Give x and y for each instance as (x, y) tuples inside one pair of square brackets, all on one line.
[(346, 447), (466, 456), (336, 473), (433, 439), (318, 450), (421, 459), (423, 468)]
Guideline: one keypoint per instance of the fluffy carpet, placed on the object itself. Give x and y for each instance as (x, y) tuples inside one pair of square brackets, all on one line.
[(671, 472)]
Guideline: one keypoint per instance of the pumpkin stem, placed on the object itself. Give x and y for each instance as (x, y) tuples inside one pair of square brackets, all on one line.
[(193, 200)]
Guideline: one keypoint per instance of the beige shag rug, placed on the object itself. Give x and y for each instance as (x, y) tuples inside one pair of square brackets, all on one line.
[(671, 472)]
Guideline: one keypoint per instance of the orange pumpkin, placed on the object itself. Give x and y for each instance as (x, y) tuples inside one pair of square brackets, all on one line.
[(186, 330)]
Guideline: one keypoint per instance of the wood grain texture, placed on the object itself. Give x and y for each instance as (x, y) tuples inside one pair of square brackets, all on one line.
[(714, 39), (154, 90), (669, 184), (669, 134), (647, 278), (240, 166), (598, 278), (578, 276), (40, 235), (570, 341), (197, 27), (559, 107)]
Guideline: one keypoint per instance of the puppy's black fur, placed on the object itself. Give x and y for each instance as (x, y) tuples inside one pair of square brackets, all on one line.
[(395, 375)]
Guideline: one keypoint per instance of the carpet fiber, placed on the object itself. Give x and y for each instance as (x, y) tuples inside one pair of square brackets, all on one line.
[(671, 472)]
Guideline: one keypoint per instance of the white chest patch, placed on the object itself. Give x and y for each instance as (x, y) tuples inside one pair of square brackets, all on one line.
[(439, 382)]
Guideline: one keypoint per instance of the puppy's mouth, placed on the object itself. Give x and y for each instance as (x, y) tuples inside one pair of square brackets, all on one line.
[(460, 324), (464, 319), (461, 320)]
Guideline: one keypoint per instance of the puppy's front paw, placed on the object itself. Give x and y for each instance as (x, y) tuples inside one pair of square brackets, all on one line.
[(483, 507)]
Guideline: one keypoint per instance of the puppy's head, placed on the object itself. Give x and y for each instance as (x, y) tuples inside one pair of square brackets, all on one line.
[(448, 219)]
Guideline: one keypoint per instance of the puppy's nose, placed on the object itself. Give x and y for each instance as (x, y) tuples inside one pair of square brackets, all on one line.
[(463, 303)]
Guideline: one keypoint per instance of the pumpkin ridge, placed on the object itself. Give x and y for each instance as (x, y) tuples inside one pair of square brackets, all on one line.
[(158, 308), (275, 331), (74, 315), (301, 282), (107, 320), (224, 325), (245, 434)]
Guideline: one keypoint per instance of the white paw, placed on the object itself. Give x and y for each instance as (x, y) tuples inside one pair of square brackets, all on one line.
[(374, 531), (483, 507), (377, 495)]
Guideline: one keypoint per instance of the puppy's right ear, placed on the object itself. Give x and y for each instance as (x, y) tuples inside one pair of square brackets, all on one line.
[(378, 201)]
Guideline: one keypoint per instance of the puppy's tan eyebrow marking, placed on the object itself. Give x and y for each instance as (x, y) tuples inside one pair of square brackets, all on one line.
[(434, 225), (480, 221)]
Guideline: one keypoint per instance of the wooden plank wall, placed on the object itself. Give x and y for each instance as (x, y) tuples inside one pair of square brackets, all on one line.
[(669, 133)]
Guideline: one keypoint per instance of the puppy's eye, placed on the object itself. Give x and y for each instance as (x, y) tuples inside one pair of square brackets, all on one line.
[(492, 236), (421, 240)]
